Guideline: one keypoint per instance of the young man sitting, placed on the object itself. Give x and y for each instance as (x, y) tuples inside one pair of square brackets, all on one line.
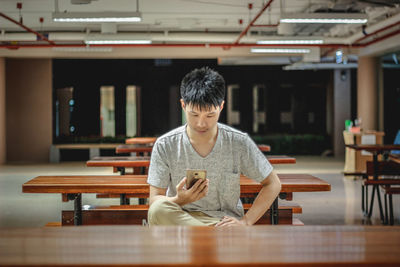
[(204, 144)]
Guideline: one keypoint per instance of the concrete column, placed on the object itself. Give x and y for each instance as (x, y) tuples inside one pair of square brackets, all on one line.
[(29, 109), (3, 151), (367, 92), (341, 107)]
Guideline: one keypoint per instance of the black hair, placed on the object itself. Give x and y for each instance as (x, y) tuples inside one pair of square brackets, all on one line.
[(203, 88)]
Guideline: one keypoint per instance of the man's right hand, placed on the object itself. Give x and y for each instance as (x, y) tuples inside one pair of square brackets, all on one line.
[(197, 191)]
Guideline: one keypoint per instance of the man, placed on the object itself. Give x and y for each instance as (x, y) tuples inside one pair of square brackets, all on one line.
[(205, 144)]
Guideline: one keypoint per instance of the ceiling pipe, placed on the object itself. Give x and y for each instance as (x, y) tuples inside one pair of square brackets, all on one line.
[(223, 45), (376, 32), (41, 36), (252, 22)]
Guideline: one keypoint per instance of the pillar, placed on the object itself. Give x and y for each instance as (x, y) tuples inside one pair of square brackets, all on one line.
[(3, 151), (367, 92)]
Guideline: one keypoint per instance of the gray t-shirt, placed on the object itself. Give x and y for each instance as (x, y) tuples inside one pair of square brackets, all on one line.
[(233, 153)]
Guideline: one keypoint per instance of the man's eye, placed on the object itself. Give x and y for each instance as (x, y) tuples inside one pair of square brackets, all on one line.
[(210, 116)]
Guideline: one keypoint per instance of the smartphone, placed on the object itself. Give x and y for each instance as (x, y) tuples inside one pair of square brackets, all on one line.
[(193, 175)]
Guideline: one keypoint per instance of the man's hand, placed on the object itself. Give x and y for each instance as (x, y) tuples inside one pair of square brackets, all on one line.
[(227, 221), (197, 191)]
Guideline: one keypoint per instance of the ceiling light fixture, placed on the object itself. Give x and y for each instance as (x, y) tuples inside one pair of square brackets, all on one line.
[(290, 42), (97, 42), (82, 49), (97, 17), (324, 18), (280, 50)]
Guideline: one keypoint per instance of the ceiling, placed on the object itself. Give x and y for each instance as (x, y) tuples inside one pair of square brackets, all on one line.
[(226, 29)]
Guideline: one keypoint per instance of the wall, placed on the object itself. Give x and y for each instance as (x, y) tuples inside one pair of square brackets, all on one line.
[(29, 109), (2, 111)]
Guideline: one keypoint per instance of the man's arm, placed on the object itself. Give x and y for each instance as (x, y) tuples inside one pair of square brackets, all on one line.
[(266, 196), (184, 196)]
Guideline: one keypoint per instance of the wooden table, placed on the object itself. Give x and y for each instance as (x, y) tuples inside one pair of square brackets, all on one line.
[(395, 157), (201, 246), (141, 140), (136, 186), (119, 163), (136, 148), (141, 148), (131, 162), (376, 150)]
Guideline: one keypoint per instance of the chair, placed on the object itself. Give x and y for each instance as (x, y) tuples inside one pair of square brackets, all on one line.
[(389, 174), (396, 142)]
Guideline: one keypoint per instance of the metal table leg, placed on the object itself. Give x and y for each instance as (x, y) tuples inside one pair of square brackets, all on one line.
[(274, 212), (77, 198)]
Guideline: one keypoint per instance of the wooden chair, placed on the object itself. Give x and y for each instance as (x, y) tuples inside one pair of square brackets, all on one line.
[(386, 175)]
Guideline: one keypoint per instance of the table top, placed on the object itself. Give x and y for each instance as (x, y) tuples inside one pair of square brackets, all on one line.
[(141, 140), (145, 161), (136, 148), (379, 148), (201, 246), (119, 162), (148, 147), (137, 184), (264, 148)]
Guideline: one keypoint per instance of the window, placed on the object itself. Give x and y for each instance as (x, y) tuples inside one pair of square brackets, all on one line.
[(107, 111)]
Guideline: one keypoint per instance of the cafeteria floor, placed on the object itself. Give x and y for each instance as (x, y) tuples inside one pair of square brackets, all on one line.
[(342, 205)]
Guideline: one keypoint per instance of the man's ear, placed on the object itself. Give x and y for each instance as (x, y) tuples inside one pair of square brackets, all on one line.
[(222, 105), (182, 103)]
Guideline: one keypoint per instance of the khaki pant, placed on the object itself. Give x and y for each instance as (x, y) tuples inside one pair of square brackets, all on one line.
[(164, 212)]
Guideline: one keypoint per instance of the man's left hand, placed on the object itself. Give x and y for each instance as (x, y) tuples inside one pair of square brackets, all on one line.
[(227, 221)]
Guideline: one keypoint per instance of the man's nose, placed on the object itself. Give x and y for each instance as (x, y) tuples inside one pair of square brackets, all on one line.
[(201, 122)]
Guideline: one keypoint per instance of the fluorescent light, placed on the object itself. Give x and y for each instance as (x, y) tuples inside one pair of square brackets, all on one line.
[(82, 49), (97, 17), (324, 18), (290, 42), (280, 50), (94, 42)]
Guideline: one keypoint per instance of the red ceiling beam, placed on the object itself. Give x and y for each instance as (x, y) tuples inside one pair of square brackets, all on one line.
[(252, 22), (41, 36)]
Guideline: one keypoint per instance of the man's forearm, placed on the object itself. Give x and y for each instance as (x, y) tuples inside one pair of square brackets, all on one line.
[(265, 198)]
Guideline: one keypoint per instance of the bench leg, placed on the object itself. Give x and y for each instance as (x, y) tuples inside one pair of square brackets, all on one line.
[(78, 209), (386, 210), (391, 209), (363, 198), (123, 200), (378, 194), (274, 212)]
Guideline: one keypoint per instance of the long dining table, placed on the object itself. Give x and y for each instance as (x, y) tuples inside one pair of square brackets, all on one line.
[(136, 186), (314, 245), (120, 163)]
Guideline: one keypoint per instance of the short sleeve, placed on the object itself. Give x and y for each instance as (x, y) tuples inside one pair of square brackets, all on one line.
[(253, 162), (159, 171)]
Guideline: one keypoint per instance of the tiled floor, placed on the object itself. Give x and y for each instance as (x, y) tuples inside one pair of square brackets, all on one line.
[(342, 205)]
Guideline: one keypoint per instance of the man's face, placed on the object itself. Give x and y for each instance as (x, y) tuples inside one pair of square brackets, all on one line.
[(202, 121)]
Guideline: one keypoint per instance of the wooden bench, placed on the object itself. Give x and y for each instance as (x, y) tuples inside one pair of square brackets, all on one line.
[(137, 214), (94, 149)]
